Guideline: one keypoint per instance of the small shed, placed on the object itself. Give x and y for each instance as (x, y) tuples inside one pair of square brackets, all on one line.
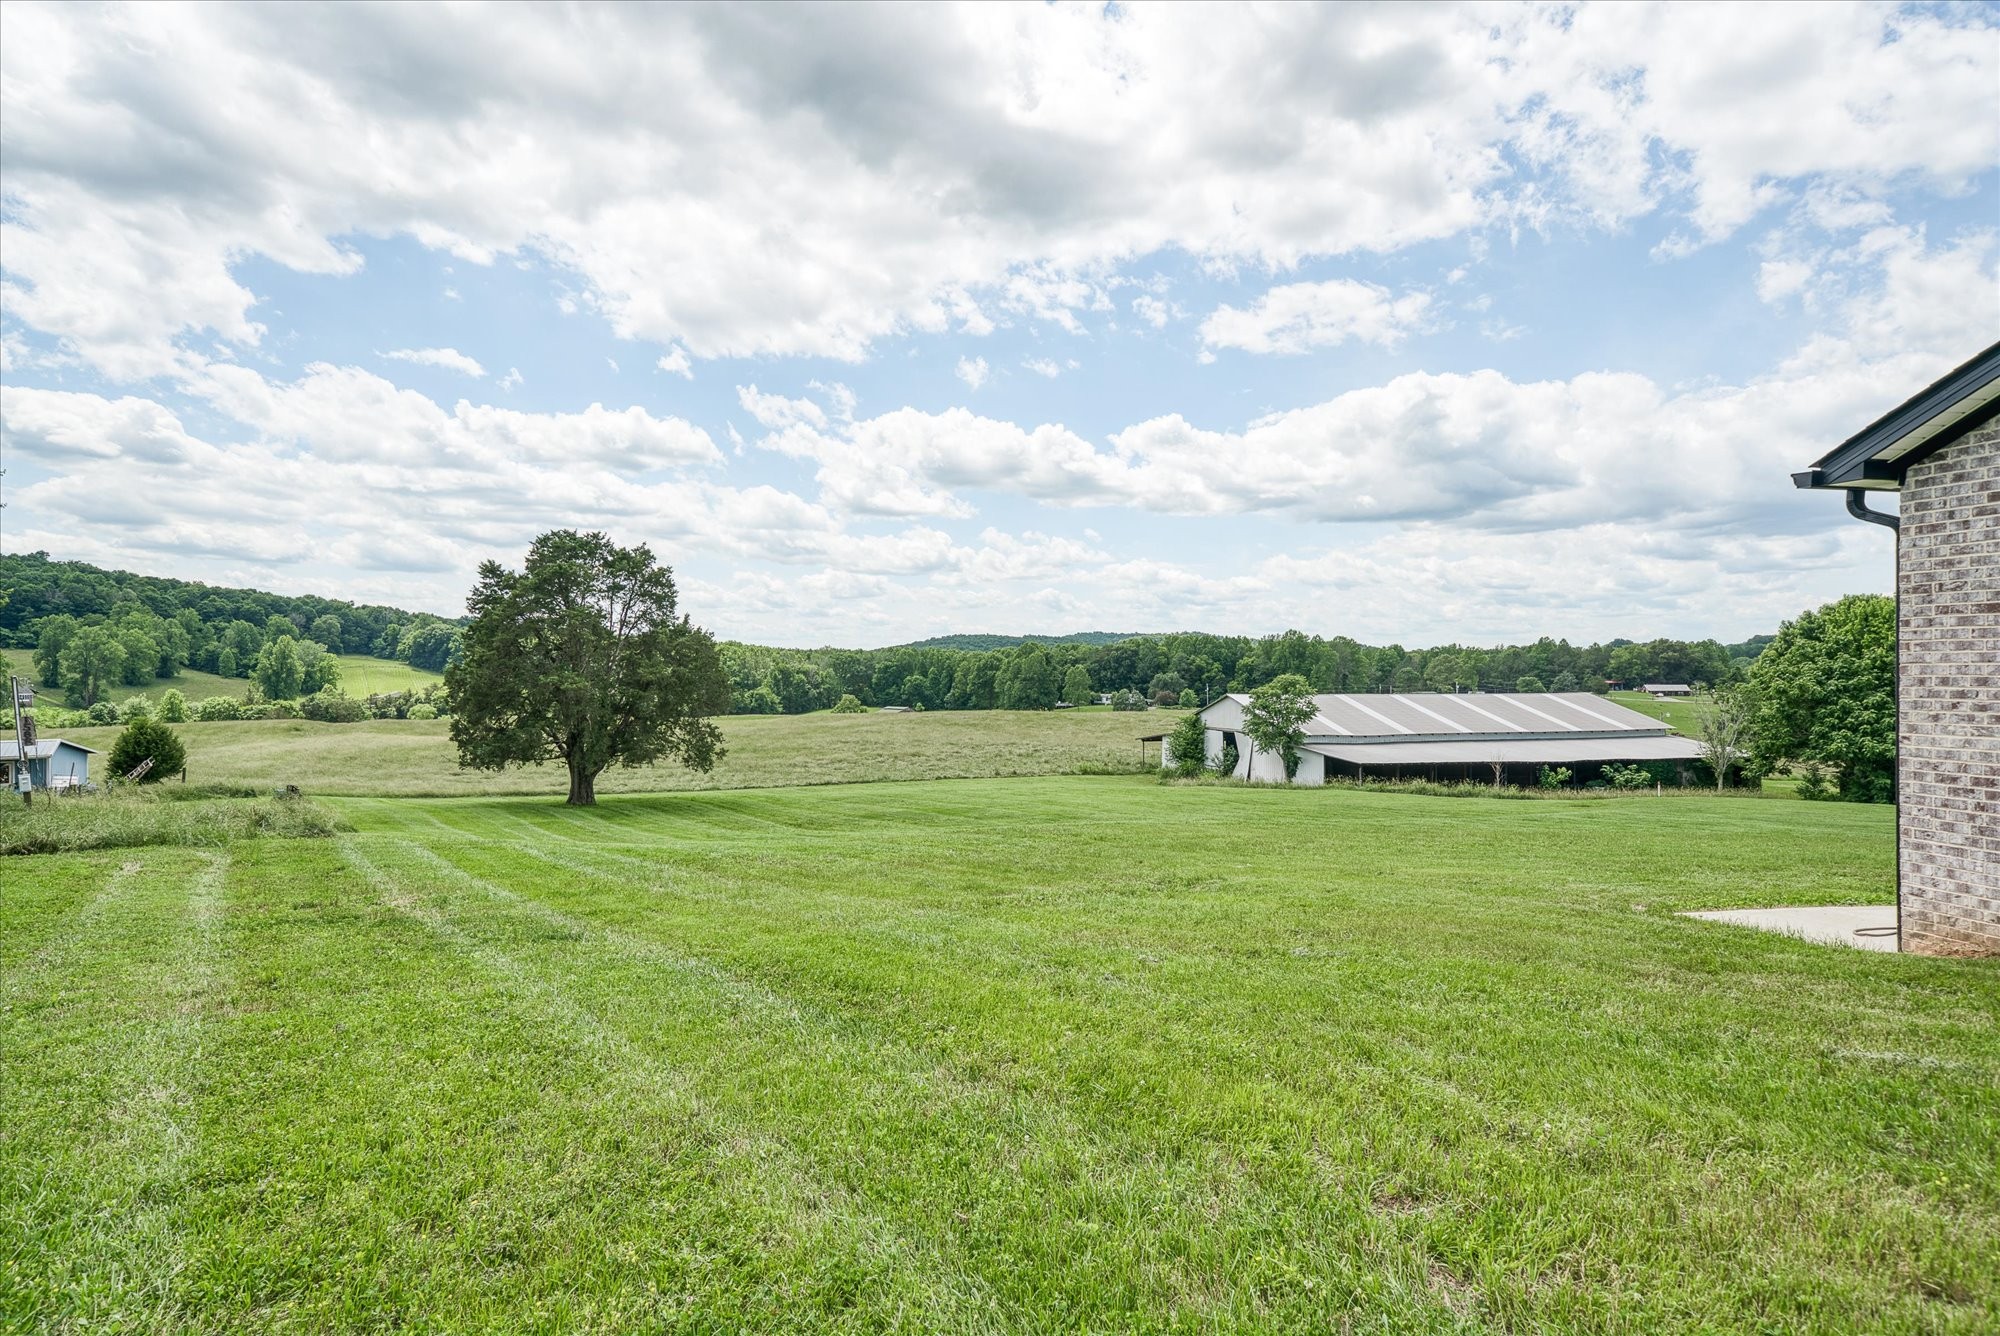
[(52, 763), (1663, 689)]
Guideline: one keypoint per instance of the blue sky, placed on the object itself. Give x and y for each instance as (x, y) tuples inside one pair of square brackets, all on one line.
[(1410, 324)]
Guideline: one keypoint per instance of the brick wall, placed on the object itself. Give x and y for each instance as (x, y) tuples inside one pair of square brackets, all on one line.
[(1948, 757)]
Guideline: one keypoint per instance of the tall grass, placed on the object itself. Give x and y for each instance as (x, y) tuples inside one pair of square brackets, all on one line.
[(172, 816)]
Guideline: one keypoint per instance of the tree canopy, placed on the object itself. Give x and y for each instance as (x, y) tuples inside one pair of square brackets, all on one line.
[(1276, 716), (1826, 691), (580, 657)]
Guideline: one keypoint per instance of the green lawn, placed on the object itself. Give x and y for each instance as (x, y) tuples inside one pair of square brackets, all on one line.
[(360, 675), (1676, 713), (1062, 1055), (365, 675), (415, 757)]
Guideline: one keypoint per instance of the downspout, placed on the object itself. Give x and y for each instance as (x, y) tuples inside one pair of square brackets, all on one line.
[(1857, 506)]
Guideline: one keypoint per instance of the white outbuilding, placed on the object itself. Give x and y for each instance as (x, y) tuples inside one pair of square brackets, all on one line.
[(1497, 738)]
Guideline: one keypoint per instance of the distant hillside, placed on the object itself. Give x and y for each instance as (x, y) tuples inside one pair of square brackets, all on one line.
[(984, 642)]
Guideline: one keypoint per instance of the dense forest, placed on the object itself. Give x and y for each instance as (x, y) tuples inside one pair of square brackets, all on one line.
[(160, 625)]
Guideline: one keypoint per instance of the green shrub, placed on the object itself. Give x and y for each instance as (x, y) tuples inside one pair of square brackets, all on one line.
[(1127, 700), (1554, 777), (135, 707), (330, 705), (103, 714), (1815, 785), (279, 709), (849, 705), (1628, 776), (423, 712), (1190, 701), (148, 740), (218, 708), (1187, 746), (1225, 764), (173, 707)]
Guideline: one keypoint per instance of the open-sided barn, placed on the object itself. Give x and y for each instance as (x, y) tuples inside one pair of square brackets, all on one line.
[(1500, 738)]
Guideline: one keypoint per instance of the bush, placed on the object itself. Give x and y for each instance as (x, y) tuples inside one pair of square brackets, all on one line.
[(1554, 777), (137, 707), (1190, 701), (1815, 785), (331, 706), (422, 712), (849, 705), (1628, 776), (1127, 700), (278, 709), (1225, 764), (173, 707), (103, 713), (144, 740), (218, 707), (1187, 746)]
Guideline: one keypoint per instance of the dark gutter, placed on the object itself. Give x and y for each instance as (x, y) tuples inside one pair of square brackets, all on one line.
[(1857, 506), (1854, 460)]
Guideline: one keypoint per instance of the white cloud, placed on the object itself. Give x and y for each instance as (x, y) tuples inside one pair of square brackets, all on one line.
[(1155, 311), (1044, 366), (511, 379), (450, 359), (676, 362), (1299, 317), (973, 371), (914, 169)]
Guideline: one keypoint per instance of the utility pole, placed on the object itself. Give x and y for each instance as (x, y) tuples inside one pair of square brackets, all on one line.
[(19, 693)]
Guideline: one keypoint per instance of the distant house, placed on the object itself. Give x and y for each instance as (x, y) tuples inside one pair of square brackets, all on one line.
[(1941, 451), (894, 709), (1661, 689), (1497, 738), (52, 763)]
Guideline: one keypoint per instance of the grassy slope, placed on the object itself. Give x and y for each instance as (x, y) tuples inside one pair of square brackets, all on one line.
[(193, 684), (400, 756), (360, 675), (1675, 713), (1049, 1055)]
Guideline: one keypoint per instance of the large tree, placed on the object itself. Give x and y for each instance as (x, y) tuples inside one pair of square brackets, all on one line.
[(92, 663), (580, 658), (1826, 693)]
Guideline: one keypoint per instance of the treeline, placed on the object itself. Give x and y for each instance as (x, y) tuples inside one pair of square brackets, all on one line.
[(93, 629), (1192, 668)]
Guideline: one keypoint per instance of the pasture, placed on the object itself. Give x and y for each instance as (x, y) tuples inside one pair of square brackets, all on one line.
[(360, 675), (407, 757), (1058, 1054)]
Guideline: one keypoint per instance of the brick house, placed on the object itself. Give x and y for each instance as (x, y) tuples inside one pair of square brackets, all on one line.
[(1941, 451)]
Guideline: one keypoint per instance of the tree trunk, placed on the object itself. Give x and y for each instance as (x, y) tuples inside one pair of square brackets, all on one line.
[(582, 787)]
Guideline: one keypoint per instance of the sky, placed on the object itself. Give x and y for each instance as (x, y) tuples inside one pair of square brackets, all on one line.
[(1416, 324)]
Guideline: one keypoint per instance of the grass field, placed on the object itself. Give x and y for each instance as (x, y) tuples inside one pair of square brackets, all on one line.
[(360, 675), (193, 684), (415, 757), (1071, 1054), (1677, 714)]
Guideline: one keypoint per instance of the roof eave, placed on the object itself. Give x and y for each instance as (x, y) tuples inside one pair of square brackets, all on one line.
[(1876, 457)]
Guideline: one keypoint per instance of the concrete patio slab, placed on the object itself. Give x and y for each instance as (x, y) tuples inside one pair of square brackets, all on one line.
[(1870, 927)]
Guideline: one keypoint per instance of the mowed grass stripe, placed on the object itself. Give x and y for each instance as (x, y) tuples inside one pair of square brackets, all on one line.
[(817, 1214), (1661, 1086), (112, 1024), (901, 1135)]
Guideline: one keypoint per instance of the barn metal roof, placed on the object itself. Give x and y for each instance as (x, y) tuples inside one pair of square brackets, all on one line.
[(1512, 751), (1445, 718)]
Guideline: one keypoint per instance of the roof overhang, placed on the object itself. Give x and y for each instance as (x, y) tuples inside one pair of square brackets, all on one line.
[(1876, 457)]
